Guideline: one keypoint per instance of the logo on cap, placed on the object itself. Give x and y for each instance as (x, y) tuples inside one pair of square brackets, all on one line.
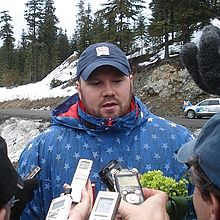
[(103, 50)]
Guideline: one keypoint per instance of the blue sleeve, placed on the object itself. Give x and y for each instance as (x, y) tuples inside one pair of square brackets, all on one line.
[(29, 158)]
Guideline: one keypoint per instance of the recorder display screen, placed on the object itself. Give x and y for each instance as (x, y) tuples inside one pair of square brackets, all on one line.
[(84, 165), (58, 204), (104, 205), (127, 180)]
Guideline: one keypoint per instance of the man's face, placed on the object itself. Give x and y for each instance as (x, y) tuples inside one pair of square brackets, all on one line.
[(107, 93)]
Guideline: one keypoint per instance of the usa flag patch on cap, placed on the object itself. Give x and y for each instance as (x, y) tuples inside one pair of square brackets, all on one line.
[(103, 50)]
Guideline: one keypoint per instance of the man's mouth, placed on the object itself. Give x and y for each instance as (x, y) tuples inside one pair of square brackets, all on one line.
[(109, 104)]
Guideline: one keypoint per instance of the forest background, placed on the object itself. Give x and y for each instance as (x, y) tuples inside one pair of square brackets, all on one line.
[(45, 45)]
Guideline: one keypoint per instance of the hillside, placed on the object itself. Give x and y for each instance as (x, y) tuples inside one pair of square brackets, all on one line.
[(162, 86)]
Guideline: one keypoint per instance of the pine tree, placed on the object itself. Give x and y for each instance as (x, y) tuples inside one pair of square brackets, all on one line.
[(47, 40), (83, 31), (7, 64), (63, 46), (119, 15), (33, 16)]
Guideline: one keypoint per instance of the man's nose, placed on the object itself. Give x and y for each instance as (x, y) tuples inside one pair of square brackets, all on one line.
[(108, 89)]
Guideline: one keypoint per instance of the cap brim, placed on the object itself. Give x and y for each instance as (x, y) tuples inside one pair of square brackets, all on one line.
[(90, 68), (186, 151)]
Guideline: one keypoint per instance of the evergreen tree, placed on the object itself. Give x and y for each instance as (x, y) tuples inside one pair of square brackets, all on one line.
[(63, 46), (47, 40), (119, 16), (7, 67), (99, 33), (33, 16), (83, 31), (162, 22)]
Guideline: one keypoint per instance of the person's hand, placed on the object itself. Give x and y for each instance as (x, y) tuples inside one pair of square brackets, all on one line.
[(154, 207), (24, 196), (203, 62), (81, 210)]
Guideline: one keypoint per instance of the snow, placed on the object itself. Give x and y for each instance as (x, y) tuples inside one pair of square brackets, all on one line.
[(18, 132)]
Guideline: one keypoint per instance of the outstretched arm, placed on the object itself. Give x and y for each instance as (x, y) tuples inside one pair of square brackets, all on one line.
[(154, 207)]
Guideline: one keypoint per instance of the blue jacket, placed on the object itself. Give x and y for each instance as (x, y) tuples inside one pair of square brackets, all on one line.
[(139, 139)]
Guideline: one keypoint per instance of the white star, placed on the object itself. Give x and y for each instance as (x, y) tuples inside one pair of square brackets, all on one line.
[(47, 186), (43, 141), (50, 148), (99, 139), (167, 166), (128, 149), (95, 175), (154, 136), (174, 156), (109, 150), (146, 146), (95, 154), (78, 136), (35, 208), (59, 137), (165, 146), (172, 124), (143, 129), (135, 138), (138, 157), (30, 146), (76, 155), (120, 159), (43, 161), (118, 140), (47, 130), (86, 145), (173, 137), (148, 167), (66, 166), (58, 157), (68, 146), (24, 163), (150, 119), (156, 156), (58, 178), (33, 166)]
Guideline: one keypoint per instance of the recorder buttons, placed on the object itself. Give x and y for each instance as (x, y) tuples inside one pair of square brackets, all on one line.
[(132, 198)]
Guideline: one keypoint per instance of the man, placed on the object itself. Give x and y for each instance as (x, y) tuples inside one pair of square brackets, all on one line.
[(104, 121), (202, 156)]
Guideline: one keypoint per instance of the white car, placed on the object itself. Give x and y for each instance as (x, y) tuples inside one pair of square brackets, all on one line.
[(207, 107)]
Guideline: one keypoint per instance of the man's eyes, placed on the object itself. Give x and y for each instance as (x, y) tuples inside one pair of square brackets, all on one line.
[(96, 83)]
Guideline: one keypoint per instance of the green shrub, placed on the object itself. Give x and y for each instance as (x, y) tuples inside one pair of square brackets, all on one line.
[(55, 82), (156, 180)]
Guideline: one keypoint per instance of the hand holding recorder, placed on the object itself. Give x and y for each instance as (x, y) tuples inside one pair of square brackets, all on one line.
[(25, 193), (154, 207), (76, 203)]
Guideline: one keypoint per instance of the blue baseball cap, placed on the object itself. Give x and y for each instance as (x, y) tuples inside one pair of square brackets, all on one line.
[(206, 148), (101, 54)]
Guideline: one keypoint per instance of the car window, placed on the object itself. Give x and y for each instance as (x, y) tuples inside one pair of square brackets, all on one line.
[(206, 102), (214, 102)]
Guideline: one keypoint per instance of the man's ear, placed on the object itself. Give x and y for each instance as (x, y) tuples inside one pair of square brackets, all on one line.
[(214, 207), (2, 213), (78, 87)]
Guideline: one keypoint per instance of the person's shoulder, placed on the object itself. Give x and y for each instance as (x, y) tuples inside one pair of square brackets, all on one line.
[(169, 124)]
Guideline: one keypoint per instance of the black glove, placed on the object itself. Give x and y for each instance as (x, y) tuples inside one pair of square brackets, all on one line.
[(203, 63), (24, 195)]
